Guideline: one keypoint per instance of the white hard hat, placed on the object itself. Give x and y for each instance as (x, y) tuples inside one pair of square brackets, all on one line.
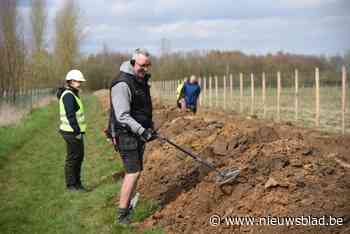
[(75, 75)]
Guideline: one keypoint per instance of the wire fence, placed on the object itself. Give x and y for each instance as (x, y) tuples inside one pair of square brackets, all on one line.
[(14, 105), (309, 99), (25, 99)]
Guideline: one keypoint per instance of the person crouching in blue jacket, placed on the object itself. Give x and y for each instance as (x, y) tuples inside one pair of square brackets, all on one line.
[(191, 93)]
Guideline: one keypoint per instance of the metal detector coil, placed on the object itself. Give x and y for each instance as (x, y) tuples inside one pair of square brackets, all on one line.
[(223, 177)]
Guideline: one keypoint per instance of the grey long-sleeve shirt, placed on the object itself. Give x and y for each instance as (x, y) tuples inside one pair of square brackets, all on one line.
[(121, 100)]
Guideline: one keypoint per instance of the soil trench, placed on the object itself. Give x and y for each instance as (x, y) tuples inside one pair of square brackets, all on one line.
[(285, 171)]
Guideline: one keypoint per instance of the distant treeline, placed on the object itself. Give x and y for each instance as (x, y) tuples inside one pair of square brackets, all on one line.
[(101, 68)]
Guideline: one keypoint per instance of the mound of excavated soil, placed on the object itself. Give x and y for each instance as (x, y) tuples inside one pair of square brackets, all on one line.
[(285, 171)]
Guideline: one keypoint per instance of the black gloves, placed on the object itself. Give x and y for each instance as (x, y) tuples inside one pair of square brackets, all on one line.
[(148, 135)]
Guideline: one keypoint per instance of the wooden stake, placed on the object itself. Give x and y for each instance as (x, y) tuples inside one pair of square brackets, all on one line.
[(231, 89), (317, 82), (296, 95), (210, 92), (205, 91), (216, 92), (344, 85), (264, 93), (278, 96), (252, 93), (200, 85), (241, 92), (224, 92)]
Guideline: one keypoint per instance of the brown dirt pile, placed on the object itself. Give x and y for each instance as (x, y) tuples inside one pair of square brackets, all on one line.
[(285, 171)]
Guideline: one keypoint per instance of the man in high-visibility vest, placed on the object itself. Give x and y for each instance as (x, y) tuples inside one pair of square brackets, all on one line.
[(72, 128)]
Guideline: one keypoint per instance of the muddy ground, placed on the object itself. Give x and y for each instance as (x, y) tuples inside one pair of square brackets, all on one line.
[(285, 171)]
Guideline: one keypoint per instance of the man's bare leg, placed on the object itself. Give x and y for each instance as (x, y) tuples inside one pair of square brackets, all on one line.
[(128, 188)]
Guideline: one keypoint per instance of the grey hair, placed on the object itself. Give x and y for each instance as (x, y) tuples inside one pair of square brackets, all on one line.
[(139, 51)]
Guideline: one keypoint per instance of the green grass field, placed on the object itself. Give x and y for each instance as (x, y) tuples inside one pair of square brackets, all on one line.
[(32, 191)]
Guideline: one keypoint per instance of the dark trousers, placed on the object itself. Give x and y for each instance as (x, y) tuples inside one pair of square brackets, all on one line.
[(193, 108), (74, 159)]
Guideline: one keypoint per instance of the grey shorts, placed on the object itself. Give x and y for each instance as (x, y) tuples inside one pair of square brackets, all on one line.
[(131, 150)]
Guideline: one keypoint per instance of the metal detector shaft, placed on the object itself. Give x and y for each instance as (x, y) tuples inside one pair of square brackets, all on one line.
[(195, 157)]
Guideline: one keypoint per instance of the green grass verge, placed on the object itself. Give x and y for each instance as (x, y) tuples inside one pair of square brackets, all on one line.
[(15, 136), (32, 192)]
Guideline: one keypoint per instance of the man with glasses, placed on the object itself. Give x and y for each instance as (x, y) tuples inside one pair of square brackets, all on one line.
[(130, 124)]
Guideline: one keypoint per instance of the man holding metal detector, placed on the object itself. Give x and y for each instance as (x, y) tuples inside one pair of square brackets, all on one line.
[(130, 125)]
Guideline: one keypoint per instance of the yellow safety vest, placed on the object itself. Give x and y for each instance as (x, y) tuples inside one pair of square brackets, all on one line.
[(65, 126), (179, 91)]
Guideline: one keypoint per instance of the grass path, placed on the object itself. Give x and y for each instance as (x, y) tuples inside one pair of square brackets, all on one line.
[(32, 192)]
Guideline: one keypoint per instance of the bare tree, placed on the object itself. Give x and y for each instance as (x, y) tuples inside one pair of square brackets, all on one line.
[(39, 64), (165, 47), (347, 58), (38, 19), (2, 69), (69, 35)]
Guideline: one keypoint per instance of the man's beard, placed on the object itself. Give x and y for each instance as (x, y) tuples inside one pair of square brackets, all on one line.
[(141, 73)]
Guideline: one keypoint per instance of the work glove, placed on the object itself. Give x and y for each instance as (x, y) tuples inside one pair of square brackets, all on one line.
[(148, 135)]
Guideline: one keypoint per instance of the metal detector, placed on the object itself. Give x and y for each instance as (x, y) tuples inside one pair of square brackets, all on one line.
[(223, 177)]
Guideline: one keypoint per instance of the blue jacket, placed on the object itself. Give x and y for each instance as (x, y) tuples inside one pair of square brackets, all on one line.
[(191, 92)]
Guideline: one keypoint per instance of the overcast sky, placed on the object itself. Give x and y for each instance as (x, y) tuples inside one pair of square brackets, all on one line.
[(252, 26)]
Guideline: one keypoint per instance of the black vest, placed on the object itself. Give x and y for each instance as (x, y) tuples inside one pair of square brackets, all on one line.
[(141, 103)]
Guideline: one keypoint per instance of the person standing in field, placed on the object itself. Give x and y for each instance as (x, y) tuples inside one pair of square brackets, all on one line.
[(72, 128), (130, 124), (180, 96), (191, 91)]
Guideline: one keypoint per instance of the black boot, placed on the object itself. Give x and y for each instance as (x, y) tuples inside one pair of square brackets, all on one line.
[(79, 184), (72, 173), (123, 217), (81, 188)]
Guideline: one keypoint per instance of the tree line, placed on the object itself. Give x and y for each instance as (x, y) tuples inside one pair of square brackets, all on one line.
[(33, 62), (102, 67), (30, 61)]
